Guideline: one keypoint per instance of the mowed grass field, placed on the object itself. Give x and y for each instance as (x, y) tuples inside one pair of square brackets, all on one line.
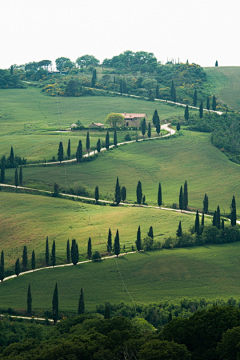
[(28, 219), (189, 157), (210, 272), (225, 83), (29, 120)]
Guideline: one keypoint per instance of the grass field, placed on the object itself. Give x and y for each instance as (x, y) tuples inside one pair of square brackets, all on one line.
[(206, 272), (190, 157), (28, 219), (225, 83)]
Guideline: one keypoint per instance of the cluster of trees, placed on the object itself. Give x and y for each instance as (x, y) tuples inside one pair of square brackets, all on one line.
[(8, 80)]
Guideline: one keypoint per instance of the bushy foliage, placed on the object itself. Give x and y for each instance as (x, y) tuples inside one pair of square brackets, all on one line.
[(8, 81)]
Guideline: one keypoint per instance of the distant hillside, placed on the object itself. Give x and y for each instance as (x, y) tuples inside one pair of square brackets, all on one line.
[(225, 84)]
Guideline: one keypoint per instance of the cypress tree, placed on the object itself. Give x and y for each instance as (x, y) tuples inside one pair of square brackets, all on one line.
[(138, 241), (233, 212), (24, 258), (117, 244), (17, 267), (74, 252), (185, 196), (98, 145), (195, 98), (222, 224), (214, 103), (47, 252), (93, 78), (159, 194), (123, 193), (158, 128), (96, 194), (88, 142), (33, 261), (149, 130), (143, 126), (181, 198), (53, 254), (155, 115), (202, 224), (186, 113), (179, 229), (2, 258), (29, 301), (208, 103), (60, 152), (157, 91), (68, 252), (216, 63), (218, 215), (3, 170), (117, 192), (139, 192), (11, 157), (150, 232), (109, 243), (205, 204), (79, 151), (16, 177), (2, 273), (89, 249), (20, 176), (107, 140), (214, 218), (115, 137), (197, 226), (178, 126), (81, 306), (55, 304), (201, 110), (69, 149)]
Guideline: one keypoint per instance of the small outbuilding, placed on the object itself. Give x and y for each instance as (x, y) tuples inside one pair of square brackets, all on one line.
[(96, 125)]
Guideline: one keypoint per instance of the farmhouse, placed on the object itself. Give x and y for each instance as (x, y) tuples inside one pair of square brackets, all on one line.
[(133, 120), (96, 125)]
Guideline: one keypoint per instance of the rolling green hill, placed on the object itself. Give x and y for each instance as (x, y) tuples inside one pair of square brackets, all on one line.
[(225, 83)]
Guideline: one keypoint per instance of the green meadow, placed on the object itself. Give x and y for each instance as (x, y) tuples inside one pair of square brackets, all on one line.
[(189, 157), (210, 272), (28, 219), (224, 82)]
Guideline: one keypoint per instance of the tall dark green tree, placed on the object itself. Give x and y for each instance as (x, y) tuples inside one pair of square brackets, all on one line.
[(205, 204), (68, 252), (155, 116), (201, 110), (96, 194), (88, 142), (74, 252), (143, 126), (185, 196), (117, 192), (173, 92), (2, 180), (179, 229), (216, 63), (158, 128), (186, 113), (17, 267), (69, 149), (138, 241), (202, 223), (233, 212), (79, 151), (214, 103), (214, 219), (94, 77), (20, 176), (55, 304), (218, 216), (109, 243), (60, 152), (115, 137), (139, 192), (47, 252), (159, 194), (178, 126), (195, 98), (89, 249), (25, 258), (53, 254), (16, 177), (11, 157), (107, 140), (197, 224), (117, 244), (123, 193), (99, 146), (29, 301), (208, 103), (149, 130), (33, 260), (81, 305), (150, 232), (181, 199)]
